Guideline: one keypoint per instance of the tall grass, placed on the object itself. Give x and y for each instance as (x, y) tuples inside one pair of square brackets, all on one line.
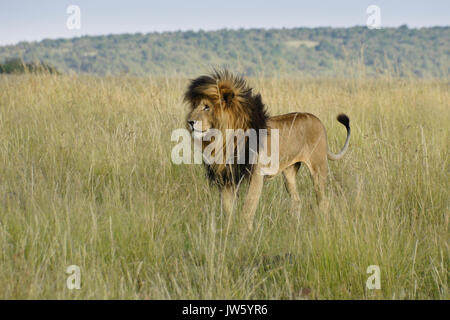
[(86, 179)]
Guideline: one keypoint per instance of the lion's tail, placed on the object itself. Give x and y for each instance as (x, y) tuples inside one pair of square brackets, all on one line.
[(342, 118)]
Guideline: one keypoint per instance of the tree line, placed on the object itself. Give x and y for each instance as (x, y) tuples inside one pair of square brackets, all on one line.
[(323, 51)]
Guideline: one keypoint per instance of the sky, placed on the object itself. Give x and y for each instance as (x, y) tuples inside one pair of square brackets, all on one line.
[(33, 20)]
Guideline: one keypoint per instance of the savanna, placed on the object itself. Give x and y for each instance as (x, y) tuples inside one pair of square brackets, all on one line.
[(86, 179)]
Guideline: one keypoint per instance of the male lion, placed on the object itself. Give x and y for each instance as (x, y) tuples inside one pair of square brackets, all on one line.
[(224, 101)]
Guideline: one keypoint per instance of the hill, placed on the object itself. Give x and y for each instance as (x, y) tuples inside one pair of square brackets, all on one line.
[(307, 51)]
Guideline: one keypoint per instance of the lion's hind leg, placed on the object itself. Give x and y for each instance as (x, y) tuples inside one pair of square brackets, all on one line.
[(318, 166), (290, 183)]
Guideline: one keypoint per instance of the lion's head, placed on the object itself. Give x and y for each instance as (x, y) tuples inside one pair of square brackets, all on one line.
[(223, 101)]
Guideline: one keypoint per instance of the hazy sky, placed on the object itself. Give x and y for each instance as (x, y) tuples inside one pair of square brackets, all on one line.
[(28, 20)]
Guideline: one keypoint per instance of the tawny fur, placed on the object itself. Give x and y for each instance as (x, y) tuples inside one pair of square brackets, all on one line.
[(225, 101)]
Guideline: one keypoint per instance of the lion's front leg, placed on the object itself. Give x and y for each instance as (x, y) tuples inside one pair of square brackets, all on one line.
[(228, 195), (252, 198)]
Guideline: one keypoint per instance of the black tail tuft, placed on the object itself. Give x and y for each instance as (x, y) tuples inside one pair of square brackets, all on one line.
[(342, 118)]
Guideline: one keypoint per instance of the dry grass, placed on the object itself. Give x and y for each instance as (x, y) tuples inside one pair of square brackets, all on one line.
[(86, 179)]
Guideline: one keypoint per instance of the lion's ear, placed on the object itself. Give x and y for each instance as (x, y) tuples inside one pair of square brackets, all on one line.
[(228, 97)]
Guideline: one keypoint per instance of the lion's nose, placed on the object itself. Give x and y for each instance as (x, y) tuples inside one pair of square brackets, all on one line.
[(191, 123)]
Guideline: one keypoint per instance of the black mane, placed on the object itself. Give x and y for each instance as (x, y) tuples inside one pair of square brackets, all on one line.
[(198, 89)]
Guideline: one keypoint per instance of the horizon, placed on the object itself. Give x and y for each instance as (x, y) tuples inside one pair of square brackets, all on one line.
[(28, 21), (214, 30)]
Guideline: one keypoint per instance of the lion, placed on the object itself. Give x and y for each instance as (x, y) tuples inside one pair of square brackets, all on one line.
[(222, 101)]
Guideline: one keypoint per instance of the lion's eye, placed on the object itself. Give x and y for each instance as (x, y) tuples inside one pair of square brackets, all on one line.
[(206, 108)]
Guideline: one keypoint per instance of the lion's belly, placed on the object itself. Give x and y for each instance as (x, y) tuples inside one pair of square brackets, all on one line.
[(293, 136)]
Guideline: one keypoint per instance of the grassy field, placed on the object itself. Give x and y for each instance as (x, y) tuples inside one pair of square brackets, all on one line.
[(86, 179)]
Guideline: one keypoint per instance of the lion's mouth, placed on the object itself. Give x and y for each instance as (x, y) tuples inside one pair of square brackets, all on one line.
[(199, 134)]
